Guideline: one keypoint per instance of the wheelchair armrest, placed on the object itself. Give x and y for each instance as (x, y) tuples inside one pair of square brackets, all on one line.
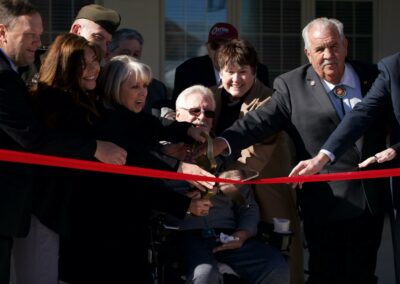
[(281, 240)]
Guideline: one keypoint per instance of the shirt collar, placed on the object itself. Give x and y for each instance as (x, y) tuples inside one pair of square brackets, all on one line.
[(348, 79), (13, 66)]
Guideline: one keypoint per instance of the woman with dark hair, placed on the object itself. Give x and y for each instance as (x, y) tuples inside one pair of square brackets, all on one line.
[(63, 101), (68, 75)]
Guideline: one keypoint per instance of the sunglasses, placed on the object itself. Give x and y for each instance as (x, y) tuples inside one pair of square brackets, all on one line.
[(197, 111)]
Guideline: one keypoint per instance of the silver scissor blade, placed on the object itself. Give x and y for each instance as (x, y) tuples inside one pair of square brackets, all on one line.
[(232, 190)]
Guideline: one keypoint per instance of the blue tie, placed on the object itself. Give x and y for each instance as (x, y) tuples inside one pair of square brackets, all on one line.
[(340, 92)]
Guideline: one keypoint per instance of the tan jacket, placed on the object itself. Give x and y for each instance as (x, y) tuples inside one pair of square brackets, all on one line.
[(261, 157)]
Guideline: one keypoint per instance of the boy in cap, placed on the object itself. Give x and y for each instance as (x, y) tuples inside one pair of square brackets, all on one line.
[(97, 24), (202, 70)]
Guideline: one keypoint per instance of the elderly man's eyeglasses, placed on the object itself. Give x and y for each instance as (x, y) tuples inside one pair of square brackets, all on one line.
[(195, 111)]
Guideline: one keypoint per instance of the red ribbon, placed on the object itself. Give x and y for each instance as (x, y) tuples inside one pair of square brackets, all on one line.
[(44, 160)]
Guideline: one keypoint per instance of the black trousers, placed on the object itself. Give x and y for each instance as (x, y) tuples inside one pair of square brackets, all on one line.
[(98, 259), (394, 213), (5, 259), (344, 251), (395, 227)]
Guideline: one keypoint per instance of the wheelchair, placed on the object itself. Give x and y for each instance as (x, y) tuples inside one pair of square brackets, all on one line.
[(167, 265)]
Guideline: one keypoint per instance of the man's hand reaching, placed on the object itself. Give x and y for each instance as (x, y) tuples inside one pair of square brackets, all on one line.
[(309, 167)]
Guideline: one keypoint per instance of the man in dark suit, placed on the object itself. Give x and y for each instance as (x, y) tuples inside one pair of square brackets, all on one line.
[(381, 100), (20, 31), (343, 220), (202, 70)]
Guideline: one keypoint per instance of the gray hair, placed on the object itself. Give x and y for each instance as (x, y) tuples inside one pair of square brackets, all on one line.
[(115, 72), (184, 96), (324, 23), (123, 34)]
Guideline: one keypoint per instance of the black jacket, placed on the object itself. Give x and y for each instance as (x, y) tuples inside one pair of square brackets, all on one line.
[(20, 130)]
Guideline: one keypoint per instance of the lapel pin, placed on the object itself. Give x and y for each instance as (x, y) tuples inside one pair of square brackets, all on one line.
[(312, 83)]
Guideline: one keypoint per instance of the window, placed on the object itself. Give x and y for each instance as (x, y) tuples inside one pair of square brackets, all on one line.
[(357, 19), (186, 29), (274, 28), (57, 16)]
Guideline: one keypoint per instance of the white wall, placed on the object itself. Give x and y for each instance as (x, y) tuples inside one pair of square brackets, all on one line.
[(146, 16)]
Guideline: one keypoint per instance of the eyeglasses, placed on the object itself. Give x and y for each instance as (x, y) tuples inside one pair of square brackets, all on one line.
[(195, 111)]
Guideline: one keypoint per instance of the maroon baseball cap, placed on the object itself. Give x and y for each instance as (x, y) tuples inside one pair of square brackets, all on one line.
[(222, 31)]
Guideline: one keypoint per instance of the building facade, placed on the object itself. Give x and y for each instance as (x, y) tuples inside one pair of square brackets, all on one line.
[(175, 30)]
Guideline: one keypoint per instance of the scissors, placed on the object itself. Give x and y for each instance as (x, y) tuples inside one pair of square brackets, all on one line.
[(209, 163)]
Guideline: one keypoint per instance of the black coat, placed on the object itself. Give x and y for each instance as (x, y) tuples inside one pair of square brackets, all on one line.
[(138, 134), (73, 202), (20, 130), (54, 188), (111, 213)]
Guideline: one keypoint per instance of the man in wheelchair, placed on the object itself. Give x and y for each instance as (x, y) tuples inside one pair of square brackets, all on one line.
[(226, 234)]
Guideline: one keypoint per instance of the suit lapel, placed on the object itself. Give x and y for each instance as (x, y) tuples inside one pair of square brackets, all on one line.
[(5, 60), (364, 81), (315, 88)]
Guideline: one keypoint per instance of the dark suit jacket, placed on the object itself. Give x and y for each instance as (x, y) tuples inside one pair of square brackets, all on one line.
[(156, 98), (200, 70), (383, 96), (301, 106), (19, 130), (382, 100)]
